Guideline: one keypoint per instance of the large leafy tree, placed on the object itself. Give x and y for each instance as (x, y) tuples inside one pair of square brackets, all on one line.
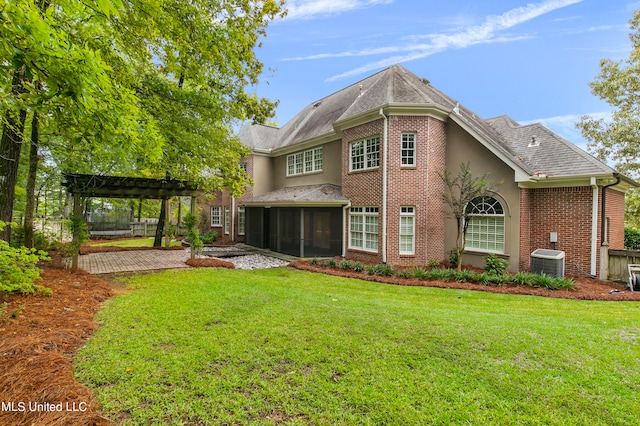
[(618, 140), (145, 86), (49, 52)]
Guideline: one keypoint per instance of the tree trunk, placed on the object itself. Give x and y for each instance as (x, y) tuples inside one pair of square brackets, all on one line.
[(157, 242), (31, 181), (12, 133)]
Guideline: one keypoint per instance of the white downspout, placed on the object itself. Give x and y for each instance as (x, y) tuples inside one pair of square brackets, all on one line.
[(384, 186), (594, 228)]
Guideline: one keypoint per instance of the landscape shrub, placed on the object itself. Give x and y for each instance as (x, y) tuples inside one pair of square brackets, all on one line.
[(433, 264), (19, 268), (464, 276), (209, 237), (40, 240), (453, 258), (419, 273), (631, 239), (405, 273), (193, 234), (346, 265), (495, 265)]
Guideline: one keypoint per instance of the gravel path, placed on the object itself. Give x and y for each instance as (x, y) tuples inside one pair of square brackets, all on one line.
[(249, 261)]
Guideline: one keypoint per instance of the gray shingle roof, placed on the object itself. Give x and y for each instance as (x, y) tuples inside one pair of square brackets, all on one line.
[(546, 152), (397, 86), (325, 194)]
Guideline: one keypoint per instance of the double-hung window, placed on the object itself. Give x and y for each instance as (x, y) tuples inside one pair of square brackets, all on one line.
[(227, 220), (241, 220), (485, 229), (216, 216), (363, 228), (364, 154), (408, 149), (309, 161), (407, 230)]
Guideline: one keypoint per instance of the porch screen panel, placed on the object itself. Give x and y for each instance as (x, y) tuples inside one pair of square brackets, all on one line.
[(285, 236), (254, 231), (322, 232)]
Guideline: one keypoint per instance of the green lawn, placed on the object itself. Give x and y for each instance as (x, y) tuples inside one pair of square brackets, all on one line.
[(282, 346), (133, 242)]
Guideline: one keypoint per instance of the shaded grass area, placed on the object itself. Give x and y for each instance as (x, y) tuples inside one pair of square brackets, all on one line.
[(131, 243), (282, 346)]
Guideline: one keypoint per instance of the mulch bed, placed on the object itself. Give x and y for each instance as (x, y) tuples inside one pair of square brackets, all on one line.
[(210, 263), (586, 288), (40, 336)]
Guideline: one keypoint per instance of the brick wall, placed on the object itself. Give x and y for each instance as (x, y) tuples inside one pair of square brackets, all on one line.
[(615, 215), (566, 211), (524, 263), (417, 186), (363, 187)]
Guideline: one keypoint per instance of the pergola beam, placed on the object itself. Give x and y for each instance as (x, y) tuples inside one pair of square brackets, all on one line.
[(81, 185)]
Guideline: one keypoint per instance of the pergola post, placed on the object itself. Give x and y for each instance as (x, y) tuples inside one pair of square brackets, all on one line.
[(193, 212), (77, 222), (167, 240)]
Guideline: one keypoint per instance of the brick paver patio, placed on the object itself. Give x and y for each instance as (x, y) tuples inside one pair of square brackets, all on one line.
[(126, 261)]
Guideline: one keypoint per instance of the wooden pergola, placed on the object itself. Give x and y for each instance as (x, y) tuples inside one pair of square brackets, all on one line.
[(83, 185)]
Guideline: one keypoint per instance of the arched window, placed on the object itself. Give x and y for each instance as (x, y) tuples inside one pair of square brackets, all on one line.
[(485, 230)]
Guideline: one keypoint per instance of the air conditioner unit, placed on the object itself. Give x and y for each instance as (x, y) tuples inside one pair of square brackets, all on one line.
[(549, 262)]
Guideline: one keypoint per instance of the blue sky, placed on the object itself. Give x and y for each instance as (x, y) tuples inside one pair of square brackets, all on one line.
[(532, 60)]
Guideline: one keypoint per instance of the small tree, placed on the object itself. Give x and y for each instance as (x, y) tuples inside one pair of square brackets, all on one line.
[(459, 191)]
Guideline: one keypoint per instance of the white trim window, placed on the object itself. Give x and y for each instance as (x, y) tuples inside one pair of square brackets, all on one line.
[(408, 150), (407, 230), (303, 162), (485, 230), (363, 228), (364, 154), (216, 216), (241, 220), (227, 220)]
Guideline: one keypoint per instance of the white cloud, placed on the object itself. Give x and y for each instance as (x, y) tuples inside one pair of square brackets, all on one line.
[(478, 34), (310, 9)]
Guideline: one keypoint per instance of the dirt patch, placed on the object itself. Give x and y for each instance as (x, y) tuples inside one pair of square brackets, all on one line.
[(586, 288)]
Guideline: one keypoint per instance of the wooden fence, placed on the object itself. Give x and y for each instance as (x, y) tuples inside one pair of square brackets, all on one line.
[(618, 262)]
